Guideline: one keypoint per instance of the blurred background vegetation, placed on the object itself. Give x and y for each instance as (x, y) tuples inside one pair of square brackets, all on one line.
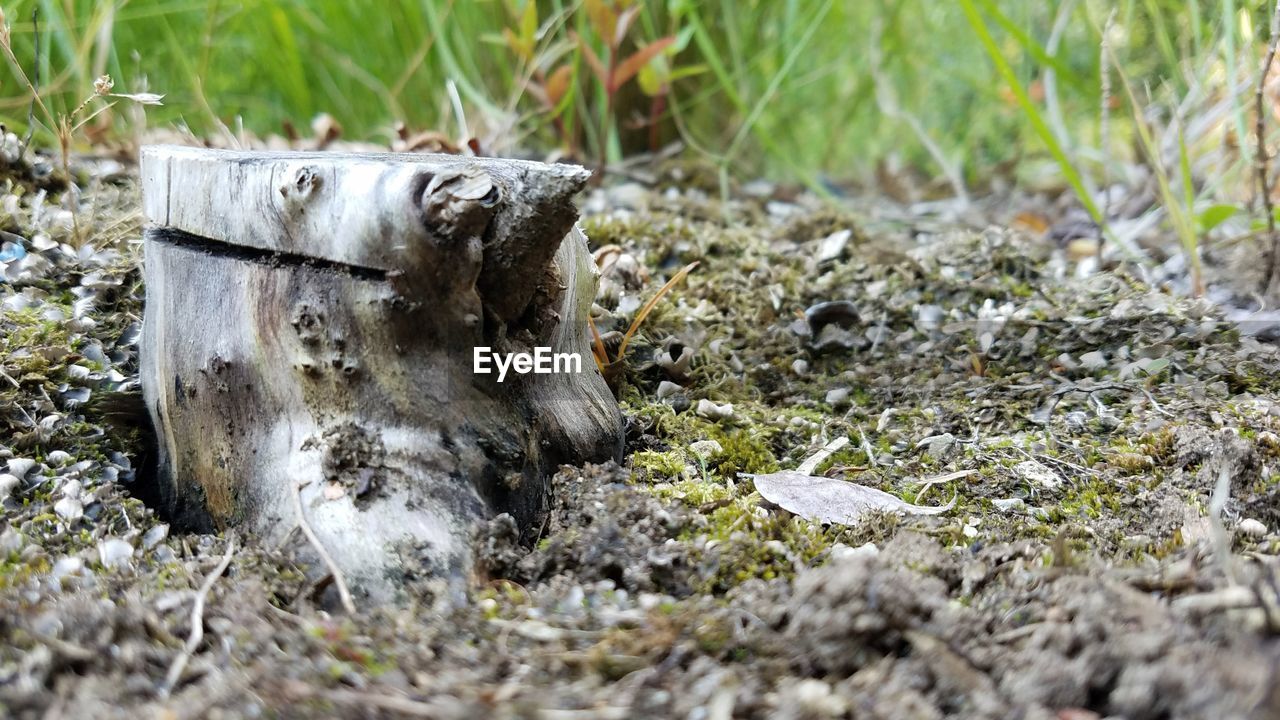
[(970, 91)]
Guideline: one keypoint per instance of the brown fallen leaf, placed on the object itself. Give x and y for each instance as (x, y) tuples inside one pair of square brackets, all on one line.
[(833, 501)]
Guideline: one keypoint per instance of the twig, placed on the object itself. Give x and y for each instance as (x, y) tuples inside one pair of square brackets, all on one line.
[(197, 622), (1222, 541), (1104, 126), (67, 649), (1260, 158), (811, 464), (1155, 405), (398, 704), (867, 449), (929, 483), (338, 580), (1235, 597), (35, 83)]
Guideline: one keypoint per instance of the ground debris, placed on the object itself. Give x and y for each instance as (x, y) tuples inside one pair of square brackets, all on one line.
[(1082, 423), (827, 500)]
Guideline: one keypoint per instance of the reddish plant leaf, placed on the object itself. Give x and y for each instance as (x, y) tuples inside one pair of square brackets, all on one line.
[(558, 84), (628, 68)]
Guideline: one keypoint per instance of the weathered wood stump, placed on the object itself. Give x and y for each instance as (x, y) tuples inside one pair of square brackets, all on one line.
[(312, 321)]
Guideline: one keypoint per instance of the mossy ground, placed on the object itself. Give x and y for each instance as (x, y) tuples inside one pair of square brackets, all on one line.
[(1095, 415)]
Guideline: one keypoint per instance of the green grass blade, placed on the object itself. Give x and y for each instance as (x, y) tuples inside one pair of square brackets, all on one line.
[(1036, 50), (1031, 112)]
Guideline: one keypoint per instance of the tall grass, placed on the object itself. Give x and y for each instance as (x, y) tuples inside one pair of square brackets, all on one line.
[(783, 87)]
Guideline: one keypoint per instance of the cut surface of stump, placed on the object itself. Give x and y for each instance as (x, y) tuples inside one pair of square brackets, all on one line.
[(312, 323)]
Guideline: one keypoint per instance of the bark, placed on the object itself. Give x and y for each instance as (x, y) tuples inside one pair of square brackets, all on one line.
[(311, 319)]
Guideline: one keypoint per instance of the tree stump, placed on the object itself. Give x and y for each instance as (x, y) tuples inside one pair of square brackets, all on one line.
[(312, 324)]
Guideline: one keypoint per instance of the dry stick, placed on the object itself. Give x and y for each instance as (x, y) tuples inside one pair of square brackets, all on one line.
[(930, 482), (338, 580), (197, 622), (397, 704), (35, 82), (1104, 127), (810, 465), (1222, 541), (1260, 159)]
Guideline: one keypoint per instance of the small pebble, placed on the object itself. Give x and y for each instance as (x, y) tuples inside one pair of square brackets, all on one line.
[(676, 361), (835, 338), (678, 402), (838, 312), (114, 552), (155, 536), (1077, 420), (840, 551), (8, 483), (837, 397), (1009, 504), (1093, 361), (11, 541), (814, 698), (938, 445), (832, 246), (21, 466), (1250, 527), (66, 565), (1037, 473), (712, 411), (666, 389), (1137, 542), (69, 509), (706, 448), (58, 458)]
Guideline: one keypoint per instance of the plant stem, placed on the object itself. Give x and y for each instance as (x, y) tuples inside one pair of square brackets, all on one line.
[(1269, 280), (608, 110)]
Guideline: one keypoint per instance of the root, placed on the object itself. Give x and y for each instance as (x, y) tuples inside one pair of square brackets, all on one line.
[(197, 622), (810, 465), (343, 592)]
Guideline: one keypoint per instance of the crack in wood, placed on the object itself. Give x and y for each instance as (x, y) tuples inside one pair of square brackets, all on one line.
[(260, 256)]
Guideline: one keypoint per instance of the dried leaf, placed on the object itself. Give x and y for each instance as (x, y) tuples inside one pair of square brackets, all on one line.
[(833, 501), (653, 302)]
